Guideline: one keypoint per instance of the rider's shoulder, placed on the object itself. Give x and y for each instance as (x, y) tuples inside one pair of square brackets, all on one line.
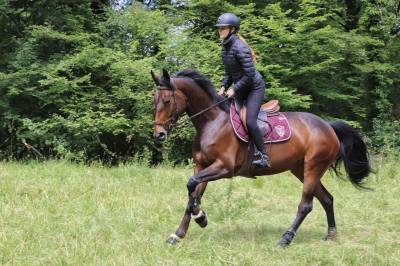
[(239, 45)]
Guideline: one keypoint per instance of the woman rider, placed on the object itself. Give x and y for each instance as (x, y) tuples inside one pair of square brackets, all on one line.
[(239, 59)]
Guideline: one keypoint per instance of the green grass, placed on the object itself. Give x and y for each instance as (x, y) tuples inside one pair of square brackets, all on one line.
[(56, 213)]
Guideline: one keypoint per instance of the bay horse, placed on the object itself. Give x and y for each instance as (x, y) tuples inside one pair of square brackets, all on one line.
[(315, 146)]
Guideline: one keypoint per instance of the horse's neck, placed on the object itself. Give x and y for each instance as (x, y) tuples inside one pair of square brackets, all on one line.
[(197, 101)]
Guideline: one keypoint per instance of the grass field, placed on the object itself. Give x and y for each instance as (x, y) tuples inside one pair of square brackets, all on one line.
[(56, 213)]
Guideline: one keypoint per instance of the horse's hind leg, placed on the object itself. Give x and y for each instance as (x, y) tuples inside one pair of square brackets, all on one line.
[(304, 208), (313, 170), (326, 200)]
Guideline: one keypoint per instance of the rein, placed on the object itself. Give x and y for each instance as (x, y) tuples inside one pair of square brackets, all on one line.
[(208, 108)]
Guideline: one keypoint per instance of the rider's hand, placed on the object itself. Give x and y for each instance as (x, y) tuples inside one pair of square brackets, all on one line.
[(230, 93), (221, 91)]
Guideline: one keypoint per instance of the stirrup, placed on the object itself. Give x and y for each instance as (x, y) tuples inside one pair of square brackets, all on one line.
[(263, 161)]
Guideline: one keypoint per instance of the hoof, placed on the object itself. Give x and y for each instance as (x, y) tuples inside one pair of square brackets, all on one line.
[(284, 243), (286, 239), (331, 233), (201, 219), (173, 240)]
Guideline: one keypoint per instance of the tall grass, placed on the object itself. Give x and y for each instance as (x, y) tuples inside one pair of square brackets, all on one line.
[(56, 213)]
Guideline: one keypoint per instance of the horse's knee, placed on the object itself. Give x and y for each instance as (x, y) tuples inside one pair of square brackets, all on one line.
[(192, 183)]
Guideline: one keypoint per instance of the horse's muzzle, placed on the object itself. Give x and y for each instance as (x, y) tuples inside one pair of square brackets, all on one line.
[(159, 133), (160, 136)]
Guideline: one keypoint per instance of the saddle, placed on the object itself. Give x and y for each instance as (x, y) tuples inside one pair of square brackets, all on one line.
[(270, 108), (272, 123)]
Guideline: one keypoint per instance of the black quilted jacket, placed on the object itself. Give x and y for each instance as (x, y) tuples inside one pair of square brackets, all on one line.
[(239, 67)]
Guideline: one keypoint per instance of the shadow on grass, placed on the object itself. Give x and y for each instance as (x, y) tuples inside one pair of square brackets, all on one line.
[(263, 233)]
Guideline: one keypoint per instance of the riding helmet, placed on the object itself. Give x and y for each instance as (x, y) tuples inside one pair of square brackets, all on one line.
[(228, 19)]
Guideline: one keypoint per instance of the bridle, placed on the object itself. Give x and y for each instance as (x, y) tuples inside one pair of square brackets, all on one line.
[(173, 112)]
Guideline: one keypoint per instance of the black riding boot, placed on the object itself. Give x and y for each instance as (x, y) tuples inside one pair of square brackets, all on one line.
[(261, 159)]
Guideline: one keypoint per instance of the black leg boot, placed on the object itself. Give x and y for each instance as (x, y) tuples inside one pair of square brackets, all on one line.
[(261, 159)]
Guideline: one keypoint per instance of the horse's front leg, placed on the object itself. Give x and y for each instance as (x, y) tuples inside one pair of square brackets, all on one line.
[(184, 225), (214, 172), (196, 186)]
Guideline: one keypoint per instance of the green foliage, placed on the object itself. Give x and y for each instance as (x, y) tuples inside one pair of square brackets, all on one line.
[(70, 96), (386, 136), (137, 31), (75, 83)]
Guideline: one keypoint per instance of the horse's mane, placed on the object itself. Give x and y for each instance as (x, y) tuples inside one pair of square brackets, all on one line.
[(205, 84)]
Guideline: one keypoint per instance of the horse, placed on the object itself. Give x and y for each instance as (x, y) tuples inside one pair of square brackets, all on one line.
[(314, 147)]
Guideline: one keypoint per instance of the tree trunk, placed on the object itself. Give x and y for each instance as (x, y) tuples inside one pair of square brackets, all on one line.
[(353, 8)]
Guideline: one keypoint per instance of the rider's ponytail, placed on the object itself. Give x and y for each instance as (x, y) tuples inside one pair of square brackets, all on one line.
[(253, 54)]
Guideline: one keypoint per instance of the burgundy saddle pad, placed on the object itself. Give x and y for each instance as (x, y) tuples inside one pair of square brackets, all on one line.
[(275, 127)]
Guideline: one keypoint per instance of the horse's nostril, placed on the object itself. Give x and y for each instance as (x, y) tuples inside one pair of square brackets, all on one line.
[(161, 136)]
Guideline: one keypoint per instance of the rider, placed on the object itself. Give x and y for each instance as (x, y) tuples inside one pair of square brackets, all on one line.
[(239, 59)]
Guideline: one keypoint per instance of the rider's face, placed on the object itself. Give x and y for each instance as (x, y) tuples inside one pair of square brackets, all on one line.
[(224, 31)]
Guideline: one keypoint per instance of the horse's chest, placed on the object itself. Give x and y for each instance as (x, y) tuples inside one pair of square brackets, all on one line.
[(206, 152), (210, 140), (209, 137), (207, 146)]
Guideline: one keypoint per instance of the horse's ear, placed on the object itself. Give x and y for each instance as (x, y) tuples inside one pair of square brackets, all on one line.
[(166, 75), (155, 78), (166, 79)]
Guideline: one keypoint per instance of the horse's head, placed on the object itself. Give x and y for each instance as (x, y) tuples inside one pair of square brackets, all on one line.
[(169, 103)]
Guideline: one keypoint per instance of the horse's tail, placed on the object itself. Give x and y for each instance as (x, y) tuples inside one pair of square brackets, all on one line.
[(353, 152)]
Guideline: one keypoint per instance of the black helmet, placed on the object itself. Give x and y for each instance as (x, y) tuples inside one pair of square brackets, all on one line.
[(228, 19)]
